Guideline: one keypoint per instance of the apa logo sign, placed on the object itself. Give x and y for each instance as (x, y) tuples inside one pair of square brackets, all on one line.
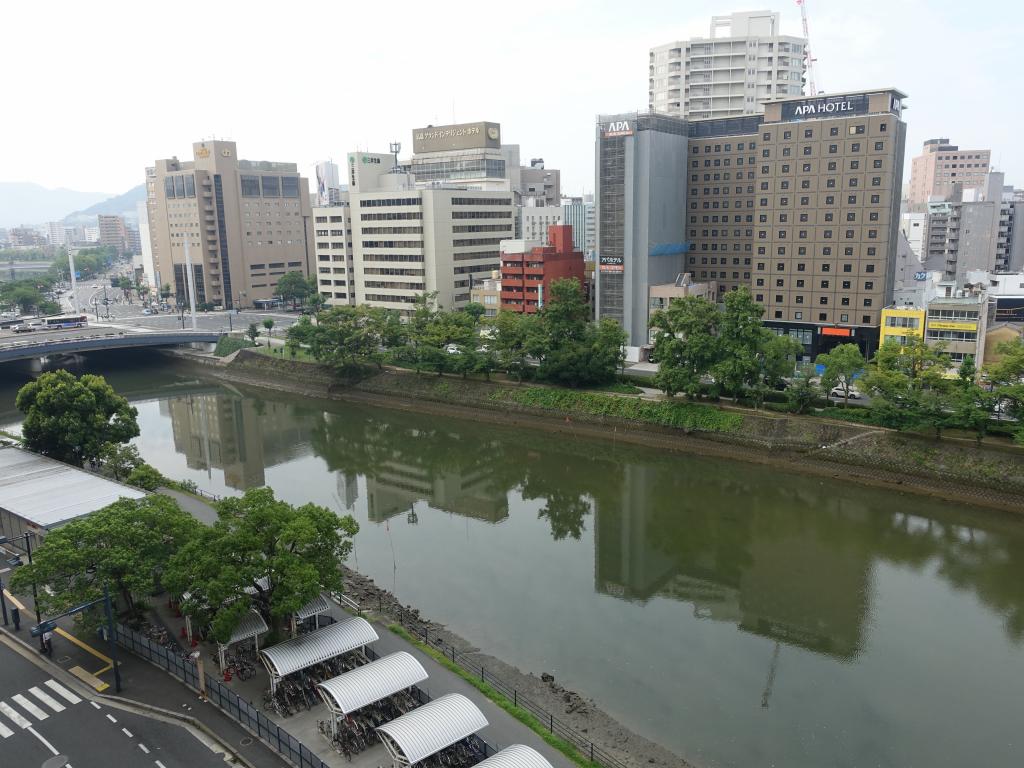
[(617, 128)]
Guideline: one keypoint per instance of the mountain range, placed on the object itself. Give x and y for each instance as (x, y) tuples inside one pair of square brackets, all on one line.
[(27, 203)]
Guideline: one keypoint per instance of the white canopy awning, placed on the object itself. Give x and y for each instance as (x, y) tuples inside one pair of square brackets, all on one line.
[(251, 625), (516, 756), (371, 682), (428, 729), (317, 646), (317, 605)]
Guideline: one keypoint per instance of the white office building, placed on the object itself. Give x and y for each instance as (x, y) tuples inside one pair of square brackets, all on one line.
[(535, 220), (578, 212), (744, 62)]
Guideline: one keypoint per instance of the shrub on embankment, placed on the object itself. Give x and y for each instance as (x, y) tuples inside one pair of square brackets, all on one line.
[(686, 416)]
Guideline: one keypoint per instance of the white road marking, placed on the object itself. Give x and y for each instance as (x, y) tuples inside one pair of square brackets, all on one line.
[(143, 748), (5, 731), (47, 699), (97, 706), (47, 744), (29, 707), (127, 733), (64, 693), (111, 718), (159, 764), (14, 715)]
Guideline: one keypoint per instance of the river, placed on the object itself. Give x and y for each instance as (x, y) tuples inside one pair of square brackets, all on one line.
[(739, 615)]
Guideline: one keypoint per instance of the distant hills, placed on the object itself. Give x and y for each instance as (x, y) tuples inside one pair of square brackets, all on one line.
[(27, 203), (116, 206)]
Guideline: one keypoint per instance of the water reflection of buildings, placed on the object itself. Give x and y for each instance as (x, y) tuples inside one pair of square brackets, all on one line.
[(793, 578), (395, 488), (239, 436)]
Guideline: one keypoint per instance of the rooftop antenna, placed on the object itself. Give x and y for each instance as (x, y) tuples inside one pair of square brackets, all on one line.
[(395, 147), (807, 48)]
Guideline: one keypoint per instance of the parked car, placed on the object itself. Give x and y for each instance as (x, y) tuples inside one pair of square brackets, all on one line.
[(840, 393), (453, 349)]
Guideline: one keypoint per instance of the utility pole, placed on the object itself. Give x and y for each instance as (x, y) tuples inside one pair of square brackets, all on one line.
[(74, 282), (191, 282)]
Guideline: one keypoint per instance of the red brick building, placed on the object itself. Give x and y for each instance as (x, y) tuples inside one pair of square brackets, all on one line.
[(528, 270)]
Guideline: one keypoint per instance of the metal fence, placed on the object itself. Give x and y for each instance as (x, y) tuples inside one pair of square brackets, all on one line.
[(223, 697), (559, 728)]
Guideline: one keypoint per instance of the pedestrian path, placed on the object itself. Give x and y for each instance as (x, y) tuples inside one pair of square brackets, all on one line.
[(20, 710)]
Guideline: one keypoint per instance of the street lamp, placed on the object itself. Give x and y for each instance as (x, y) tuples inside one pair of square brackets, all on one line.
[(35, 595)]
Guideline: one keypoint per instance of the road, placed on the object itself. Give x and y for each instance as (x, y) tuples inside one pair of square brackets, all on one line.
[(41, 717), (129, 318)]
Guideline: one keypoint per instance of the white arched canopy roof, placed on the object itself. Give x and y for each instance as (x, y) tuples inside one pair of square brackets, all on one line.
[(516, 756), (252, 625), (428, 729), (317, 646), (371, 682), (317, 605)]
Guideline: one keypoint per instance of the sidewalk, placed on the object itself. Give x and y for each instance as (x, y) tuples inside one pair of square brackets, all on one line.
[(145, 685)]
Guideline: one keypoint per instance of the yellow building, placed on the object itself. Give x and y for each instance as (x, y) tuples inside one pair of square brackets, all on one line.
[(901, 324)]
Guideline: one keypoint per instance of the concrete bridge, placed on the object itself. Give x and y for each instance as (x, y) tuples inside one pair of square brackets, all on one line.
[(24, 349)]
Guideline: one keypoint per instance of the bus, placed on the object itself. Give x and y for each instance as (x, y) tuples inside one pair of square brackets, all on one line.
[(65, 321)]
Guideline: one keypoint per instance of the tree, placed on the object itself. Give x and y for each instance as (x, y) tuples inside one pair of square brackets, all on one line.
[(261, 554), (573, 351), (293, 287), (907, 382), (317, 301), (253, 332), (71, 419), (841, 365), (119, 460), (802, 391), (386, 332), (165, 291), (145, 477), (268, 323), (512, 338), (124, 546), (741, 338), (1006, 377), (686, 346)]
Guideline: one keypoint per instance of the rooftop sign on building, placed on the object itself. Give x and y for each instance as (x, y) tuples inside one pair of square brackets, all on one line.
[(442, 138), (829, 106)]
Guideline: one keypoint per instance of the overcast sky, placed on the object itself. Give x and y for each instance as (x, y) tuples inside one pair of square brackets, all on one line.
[(95, 91)]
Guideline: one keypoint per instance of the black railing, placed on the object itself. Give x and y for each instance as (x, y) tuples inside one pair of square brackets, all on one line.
[(176, 663), (557, 727)]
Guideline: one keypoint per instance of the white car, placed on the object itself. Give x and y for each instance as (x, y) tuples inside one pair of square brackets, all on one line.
[(840, 393), (147, 311), (453, 349)]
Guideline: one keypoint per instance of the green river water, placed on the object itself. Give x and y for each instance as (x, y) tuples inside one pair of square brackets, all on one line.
[(739, 615)]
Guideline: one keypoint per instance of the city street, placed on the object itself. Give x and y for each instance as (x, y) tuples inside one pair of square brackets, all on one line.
[(41, 717)]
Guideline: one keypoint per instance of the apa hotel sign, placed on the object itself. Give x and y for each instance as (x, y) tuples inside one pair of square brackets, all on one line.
[(828, 106), (616, 128)]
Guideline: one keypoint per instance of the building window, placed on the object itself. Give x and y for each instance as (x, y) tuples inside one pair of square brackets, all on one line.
[(867, 302), (250, 186), (823, 316)]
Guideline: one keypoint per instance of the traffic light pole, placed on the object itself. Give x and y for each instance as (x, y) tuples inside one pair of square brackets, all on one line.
[(50, 624)]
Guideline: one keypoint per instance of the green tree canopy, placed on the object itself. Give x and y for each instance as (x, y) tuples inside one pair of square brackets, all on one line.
[(841, 364), (293, 287), (263, 554), (741, 338), (70, 419), (124, 546), (686, 346)]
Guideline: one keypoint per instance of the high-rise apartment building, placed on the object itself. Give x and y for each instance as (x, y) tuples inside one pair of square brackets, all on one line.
[(328, 183), (247, 223), (939, 167), (112, 232), (148, 268), (800, 204), (743, 63)]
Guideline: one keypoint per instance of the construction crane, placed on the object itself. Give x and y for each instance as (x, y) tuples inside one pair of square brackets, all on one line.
[(807, 48)]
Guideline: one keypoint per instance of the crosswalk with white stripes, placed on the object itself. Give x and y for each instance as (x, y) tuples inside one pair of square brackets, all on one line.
[(20, 710)]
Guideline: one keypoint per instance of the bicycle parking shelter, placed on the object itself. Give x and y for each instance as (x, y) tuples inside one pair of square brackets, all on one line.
[(427, 730), (250, 627), (368, 684), (515, 756), (316, 647)]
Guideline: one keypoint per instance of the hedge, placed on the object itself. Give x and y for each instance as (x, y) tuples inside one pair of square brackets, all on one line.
[(668, 414)]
